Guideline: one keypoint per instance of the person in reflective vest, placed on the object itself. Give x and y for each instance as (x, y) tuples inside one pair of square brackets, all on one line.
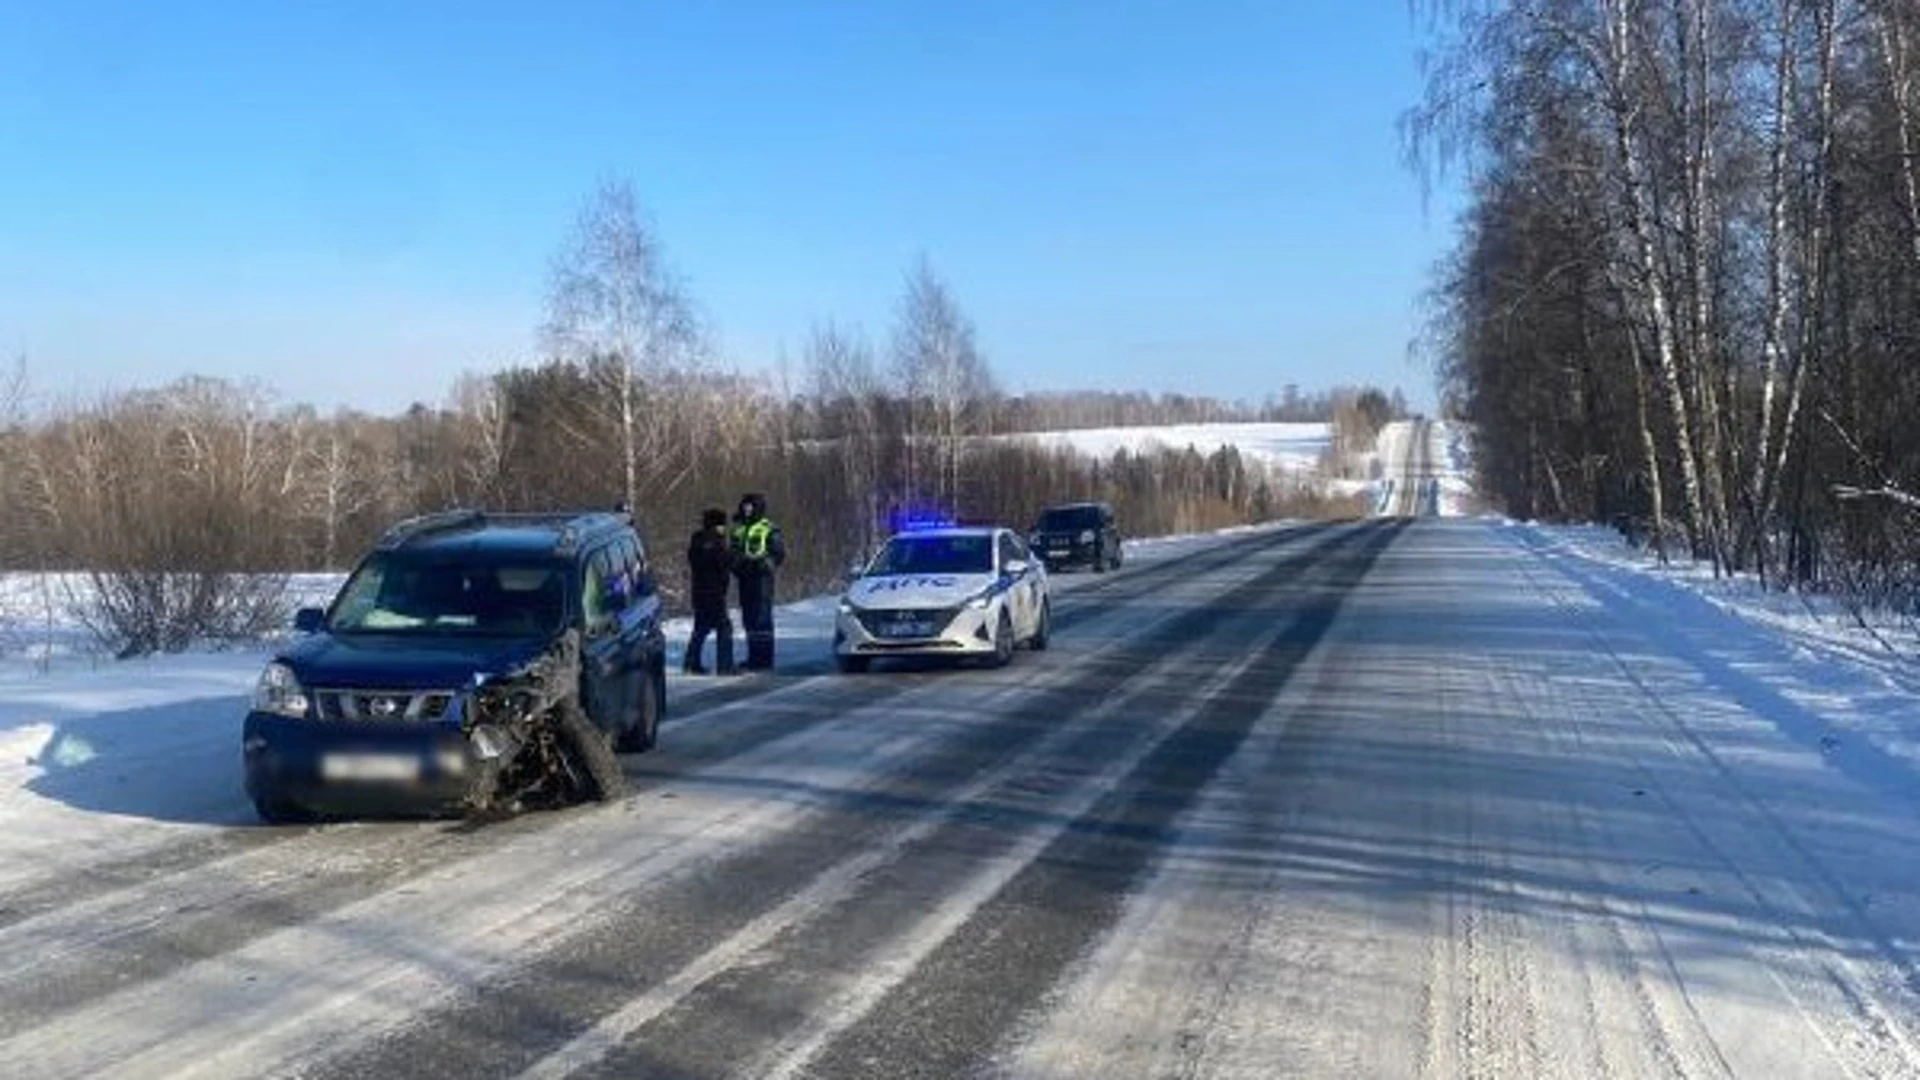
[(758, 551)]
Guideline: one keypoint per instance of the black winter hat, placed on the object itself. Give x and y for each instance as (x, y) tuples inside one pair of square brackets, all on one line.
[(712, 516)]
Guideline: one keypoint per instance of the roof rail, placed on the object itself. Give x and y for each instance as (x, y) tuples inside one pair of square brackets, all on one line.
[(577, 525), (424, 524), (570, 526)]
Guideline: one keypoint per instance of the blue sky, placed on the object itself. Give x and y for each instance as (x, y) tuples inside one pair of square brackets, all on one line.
[(354, 203)]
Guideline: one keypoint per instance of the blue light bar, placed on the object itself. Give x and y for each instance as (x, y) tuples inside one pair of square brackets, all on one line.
[(922, 524), (919, 520)]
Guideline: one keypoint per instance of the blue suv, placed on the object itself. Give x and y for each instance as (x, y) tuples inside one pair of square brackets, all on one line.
[(374, 709)]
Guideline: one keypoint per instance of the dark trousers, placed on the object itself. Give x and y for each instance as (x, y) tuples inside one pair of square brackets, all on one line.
[(714, 620), (756, 615)]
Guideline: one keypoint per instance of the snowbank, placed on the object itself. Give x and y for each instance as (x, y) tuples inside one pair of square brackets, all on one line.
[(1839, 685)]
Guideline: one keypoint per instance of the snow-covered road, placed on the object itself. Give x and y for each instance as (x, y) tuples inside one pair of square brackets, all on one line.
[(1410, 453), (1428, 798)]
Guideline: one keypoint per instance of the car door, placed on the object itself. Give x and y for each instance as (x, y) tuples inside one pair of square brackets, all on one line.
[(643, 642), (605, 666), (1035, 582), (1016, 565)]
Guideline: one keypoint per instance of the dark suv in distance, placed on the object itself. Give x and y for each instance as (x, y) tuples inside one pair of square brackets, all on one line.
[(364, 713), (1077, 534)]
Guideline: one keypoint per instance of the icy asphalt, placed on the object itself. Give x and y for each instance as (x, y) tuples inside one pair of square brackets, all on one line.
[(1389, 798)]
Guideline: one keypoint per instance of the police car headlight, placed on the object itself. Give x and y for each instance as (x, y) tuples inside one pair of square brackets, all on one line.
[(279, 692), (980, 601), (848, 607)]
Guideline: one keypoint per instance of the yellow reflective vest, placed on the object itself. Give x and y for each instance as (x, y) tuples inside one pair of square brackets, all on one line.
[(751, 539)]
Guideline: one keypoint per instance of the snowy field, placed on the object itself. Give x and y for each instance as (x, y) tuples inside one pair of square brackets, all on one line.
[(1295, 448)]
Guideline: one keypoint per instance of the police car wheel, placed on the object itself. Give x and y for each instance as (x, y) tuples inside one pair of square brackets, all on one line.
[(1044, 628), (1003, 641)]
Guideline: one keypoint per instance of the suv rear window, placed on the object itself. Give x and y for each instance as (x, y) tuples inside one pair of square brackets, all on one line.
[(1070, 517), (398, 593)]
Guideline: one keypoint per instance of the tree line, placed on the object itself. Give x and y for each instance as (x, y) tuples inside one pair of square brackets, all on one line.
[(1685, 295), (1082, 409), (184, 506)]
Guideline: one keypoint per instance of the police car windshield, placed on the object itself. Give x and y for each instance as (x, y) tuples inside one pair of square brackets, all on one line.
[(935, 555), (395, 593)]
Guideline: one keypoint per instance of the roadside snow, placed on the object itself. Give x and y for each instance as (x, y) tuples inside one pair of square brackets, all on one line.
[(1848, 689), (1452, 456)]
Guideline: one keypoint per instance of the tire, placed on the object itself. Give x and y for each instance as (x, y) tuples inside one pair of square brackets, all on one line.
[(1003, 641), (1098, 563), (281, 812), (853, 665), (644, 735), (599, 775), (1044, 631)]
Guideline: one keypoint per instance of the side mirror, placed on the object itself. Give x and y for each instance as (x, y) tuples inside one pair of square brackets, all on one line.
[(614, 594), (309, 620), (1018, 566), (856, 570)]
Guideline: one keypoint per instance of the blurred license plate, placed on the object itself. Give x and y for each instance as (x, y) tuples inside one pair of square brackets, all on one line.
[(917, 628), (370, 767)]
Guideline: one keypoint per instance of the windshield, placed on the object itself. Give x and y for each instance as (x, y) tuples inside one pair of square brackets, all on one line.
[(1070, 518), (412, 594), (935, 555)]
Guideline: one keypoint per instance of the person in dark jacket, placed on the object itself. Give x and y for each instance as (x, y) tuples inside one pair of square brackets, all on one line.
[(710, 566), (758, 551)]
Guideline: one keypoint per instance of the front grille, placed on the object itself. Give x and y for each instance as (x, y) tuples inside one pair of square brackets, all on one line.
[(383, 704), (880, 621), (908, 646)]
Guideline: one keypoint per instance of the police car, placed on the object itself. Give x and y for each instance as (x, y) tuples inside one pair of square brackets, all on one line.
[(945, 591)]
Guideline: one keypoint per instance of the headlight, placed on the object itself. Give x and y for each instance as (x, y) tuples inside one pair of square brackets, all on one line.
[(846, 606), (980, 601), (279, 692), (1086, 537)]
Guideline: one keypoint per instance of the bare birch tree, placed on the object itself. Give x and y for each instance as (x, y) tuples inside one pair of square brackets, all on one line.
[(614, 308), (939, 372), (848, 391)]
